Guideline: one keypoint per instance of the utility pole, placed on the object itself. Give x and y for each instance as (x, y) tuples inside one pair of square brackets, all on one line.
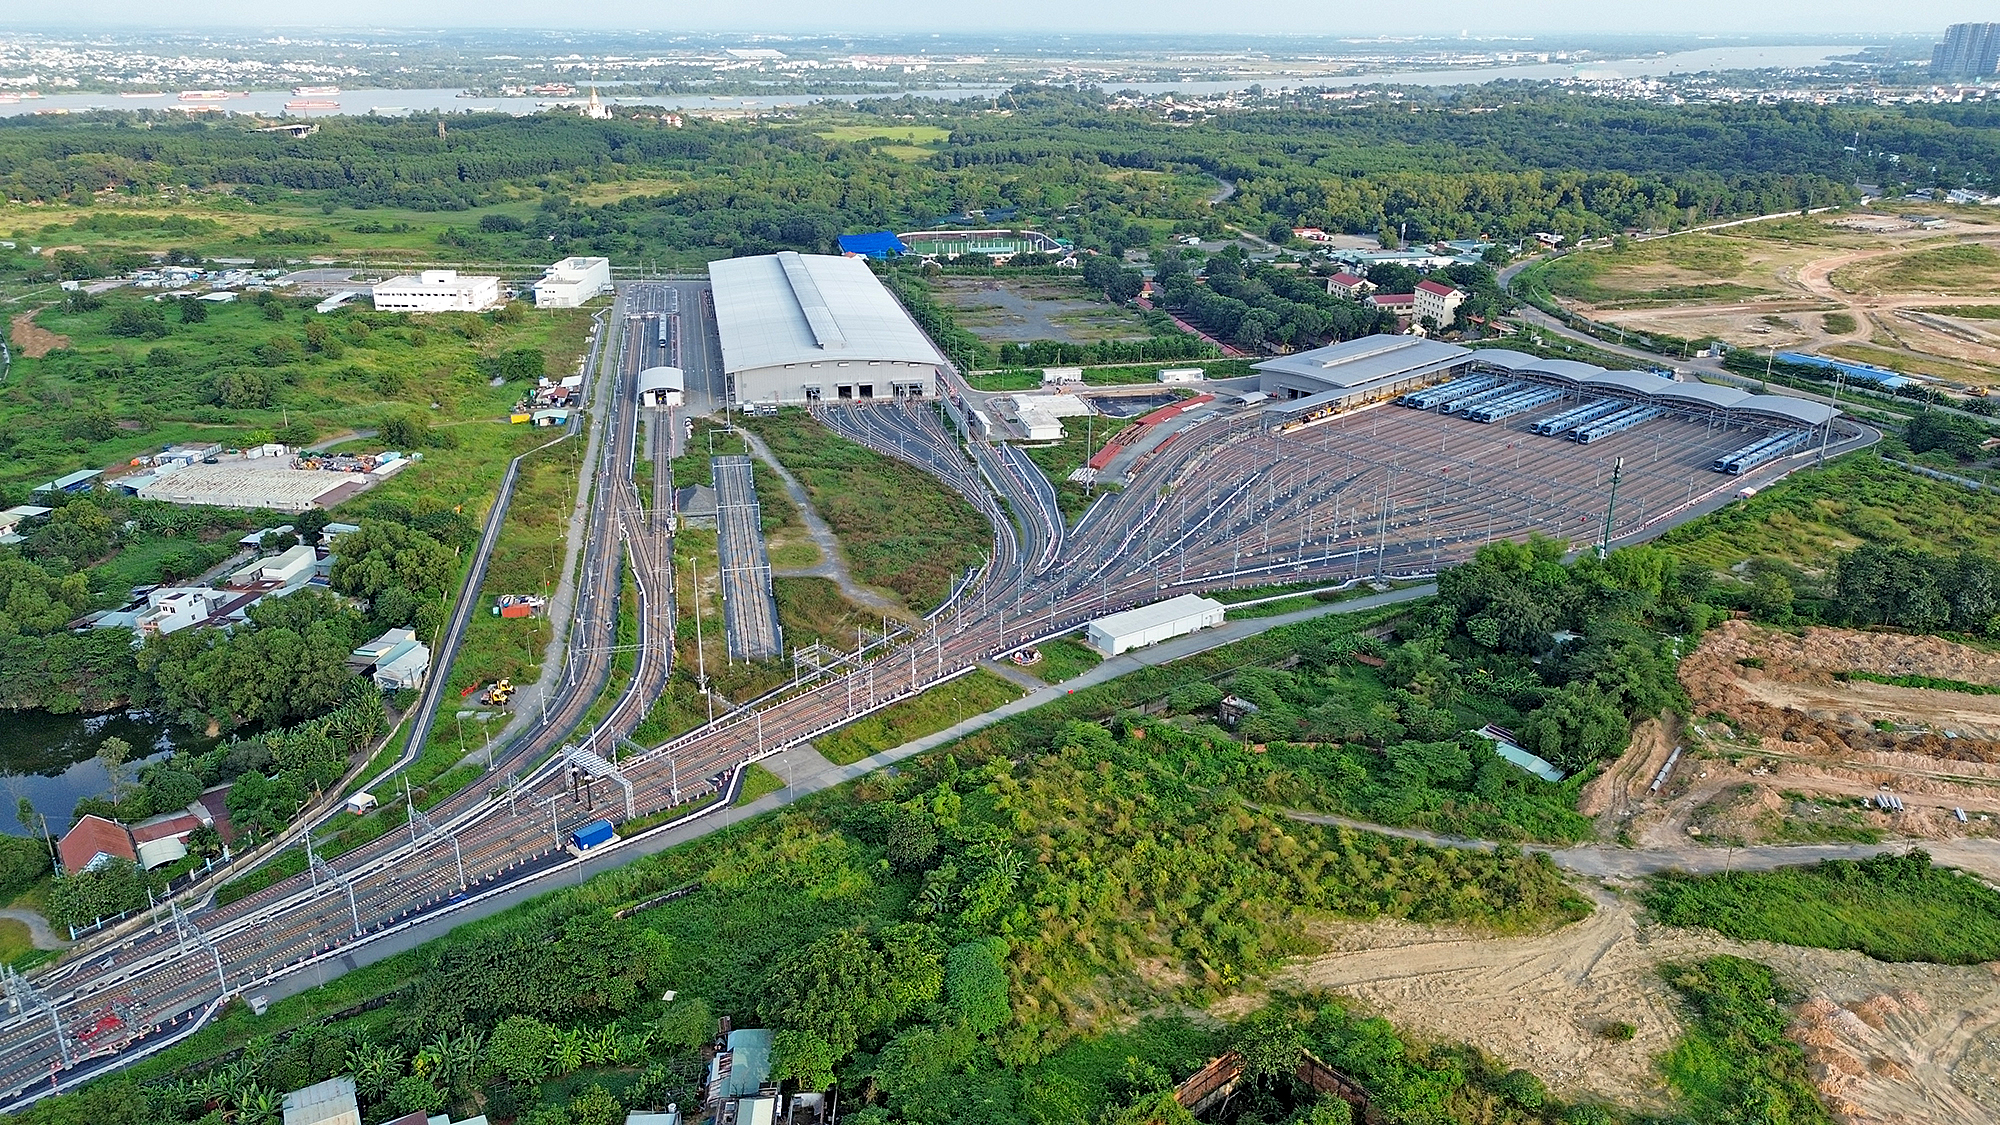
[(1826, 434), (1611, 507)]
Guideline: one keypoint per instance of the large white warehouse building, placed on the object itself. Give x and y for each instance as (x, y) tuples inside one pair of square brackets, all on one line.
[(799, 328), (571, 282), (1151, 624), (437, 291)]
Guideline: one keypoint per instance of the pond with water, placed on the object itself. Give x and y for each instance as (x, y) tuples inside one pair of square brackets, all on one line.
[(52, 759)]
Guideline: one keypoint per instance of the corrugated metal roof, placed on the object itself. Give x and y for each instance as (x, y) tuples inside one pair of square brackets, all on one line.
[(1367, 359), (783, 308), (1708, 394), (1785, 406), (1159, 613), (658, 378), (1505, 359), (1639, 381), (1570, 369)]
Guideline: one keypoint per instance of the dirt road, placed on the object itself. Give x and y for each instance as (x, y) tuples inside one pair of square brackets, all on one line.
[(1608, 861), (1895, 1044)]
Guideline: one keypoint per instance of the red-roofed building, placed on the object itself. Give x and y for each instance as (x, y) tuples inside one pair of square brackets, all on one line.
[(92, 841), (1437, 302), (1349, 286), (1402, 304)]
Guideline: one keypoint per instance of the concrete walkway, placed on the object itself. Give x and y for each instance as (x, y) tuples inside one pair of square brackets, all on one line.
[(38, 929), (1606, 861), (832, 564)]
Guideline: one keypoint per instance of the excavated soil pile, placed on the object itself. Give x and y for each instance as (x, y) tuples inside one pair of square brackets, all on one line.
[(1781, 687)]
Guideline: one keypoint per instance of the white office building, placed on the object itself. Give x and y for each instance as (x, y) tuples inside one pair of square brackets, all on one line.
[(571, 282), (799, 328), (1151, 624), (437, 291)]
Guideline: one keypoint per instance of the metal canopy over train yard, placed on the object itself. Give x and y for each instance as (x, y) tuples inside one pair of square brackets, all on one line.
[(1495, 383)]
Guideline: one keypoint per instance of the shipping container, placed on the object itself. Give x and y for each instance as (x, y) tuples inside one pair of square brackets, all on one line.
[(594, 834)]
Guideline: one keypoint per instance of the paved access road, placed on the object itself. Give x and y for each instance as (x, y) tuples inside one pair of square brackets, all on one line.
[(1384, 493)]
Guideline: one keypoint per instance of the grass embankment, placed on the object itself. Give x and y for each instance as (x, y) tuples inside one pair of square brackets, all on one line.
[(1734, 1063), (945, 705), (1065, 658), (1929, 683), (1813, 515), (1891, 907), (900, 529), (757, 781), (1966, 312)]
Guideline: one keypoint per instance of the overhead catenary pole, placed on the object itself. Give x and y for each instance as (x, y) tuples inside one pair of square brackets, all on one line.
[(1611, 507)]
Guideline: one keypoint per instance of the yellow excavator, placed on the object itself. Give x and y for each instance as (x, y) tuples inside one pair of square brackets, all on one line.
[(499, 694)]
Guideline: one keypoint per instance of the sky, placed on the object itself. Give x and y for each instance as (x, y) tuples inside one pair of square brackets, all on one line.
[(1791, 17)]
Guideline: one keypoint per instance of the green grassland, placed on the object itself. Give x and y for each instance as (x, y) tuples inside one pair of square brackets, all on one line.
[(1065, 658), (1816, 514), (813, 610), (240, 374), (1920, 364), (1891, 907), (1970, 270), (1686, 268), (273, 230), (905, 142), (1058, 459), (933, 710), (758, 781), (900, 529)]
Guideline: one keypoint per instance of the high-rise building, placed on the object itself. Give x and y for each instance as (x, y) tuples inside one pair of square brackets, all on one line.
[(1969, 50)]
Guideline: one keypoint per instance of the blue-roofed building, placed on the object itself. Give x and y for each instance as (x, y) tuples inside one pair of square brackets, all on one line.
[(742, 1067), (1864, 372), (874, 244), (79, 481)]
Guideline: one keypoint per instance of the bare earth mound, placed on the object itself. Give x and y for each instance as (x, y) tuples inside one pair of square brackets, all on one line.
[(1894, 1044), (32, 339)]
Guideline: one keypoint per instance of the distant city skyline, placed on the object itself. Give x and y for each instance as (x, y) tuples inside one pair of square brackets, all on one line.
[(1250, 17)]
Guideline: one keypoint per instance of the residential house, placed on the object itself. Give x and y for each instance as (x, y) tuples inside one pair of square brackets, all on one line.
[(92, 842)]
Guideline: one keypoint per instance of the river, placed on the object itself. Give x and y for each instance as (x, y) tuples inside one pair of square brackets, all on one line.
[(52, 759), (271, 103)]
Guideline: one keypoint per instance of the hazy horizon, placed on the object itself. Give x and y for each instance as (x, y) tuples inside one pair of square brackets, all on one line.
[(1253, 18)]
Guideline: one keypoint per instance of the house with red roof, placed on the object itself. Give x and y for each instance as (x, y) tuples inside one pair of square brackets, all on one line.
[(92, 841)]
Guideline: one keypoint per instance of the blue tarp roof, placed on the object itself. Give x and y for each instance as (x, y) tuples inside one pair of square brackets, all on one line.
[(876, 244)]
